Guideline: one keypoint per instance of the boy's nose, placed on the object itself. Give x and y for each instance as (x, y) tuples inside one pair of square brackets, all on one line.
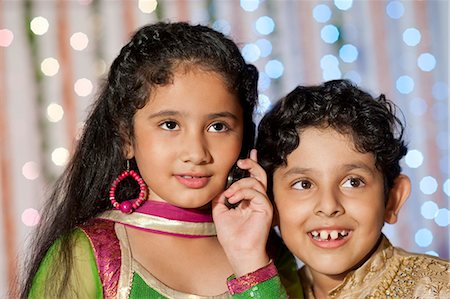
[(328, 205), (195, 149)]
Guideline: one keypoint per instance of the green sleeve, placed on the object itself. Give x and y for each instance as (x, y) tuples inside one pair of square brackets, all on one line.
[(84, 281)]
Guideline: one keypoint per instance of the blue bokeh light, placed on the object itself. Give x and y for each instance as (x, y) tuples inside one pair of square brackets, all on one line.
[(411, 37), (395, 9), (265, 47), (322, 13), (329, 61), (423, 237), (354, 76), (348, 53), (249, 5), (432, 252), (443, 217), (428, 185), (274, 69), (264, 104), (414, 158), (426, 62), (446, 187), (343, 4), (265, 25), (222, 26), (263, 81), (251, 52), (329, 34), (405, 84), (418, 106), (331, 73), (429, 209), (440, 91)]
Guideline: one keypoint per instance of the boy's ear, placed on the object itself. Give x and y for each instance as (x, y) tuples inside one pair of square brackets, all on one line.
[(396, 198)]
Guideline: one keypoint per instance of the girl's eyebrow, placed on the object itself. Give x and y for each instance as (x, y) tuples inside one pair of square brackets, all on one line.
[(166, 113), (223, 114)]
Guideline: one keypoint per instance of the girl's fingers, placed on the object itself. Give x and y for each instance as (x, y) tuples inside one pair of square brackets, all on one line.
[(245, 183)]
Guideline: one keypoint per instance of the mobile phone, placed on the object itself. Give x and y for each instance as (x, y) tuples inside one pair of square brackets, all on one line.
[(235, 175)]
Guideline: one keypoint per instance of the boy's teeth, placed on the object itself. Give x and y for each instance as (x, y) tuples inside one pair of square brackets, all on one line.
[(325, 235)]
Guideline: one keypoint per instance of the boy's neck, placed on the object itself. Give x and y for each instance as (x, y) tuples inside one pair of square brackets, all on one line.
[(323, 284)]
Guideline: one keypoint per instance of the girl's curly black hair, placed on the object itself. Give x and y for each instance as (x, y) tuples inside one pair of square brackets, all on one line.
[(372, 123), (146, 62)]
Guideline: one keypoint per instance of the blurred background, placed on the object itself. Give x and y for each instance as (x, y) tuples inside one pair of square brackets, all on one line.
[(54, 54)]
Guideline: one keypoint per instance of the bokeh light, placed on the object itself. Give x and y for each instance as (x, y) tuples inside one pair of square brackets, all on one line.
[(329, 34), (329, 61), (274, 69), (442, 218), (343, 4), (39, 25), (30, 170), (405, 84), (79, 41), (263, 81), (348, 53), (222, 26), (30, 217), (414, 158), (54, 112), (265, 47), (83, 87), (428, 185), (251, 52), (429, 209), (265, 25), (353, 76), (395, 9), (264, 104), (50, 66), (147, 6), (6, 37), (60, 156), (440, 91), (412, 37), (446, 187), (426, 62), (249, 5), (331, 74), (423, 237), (322, 13)]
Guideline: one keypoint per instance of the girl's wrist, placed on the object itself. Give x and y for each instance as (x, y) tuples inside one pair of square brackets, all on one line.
[(245, 264)]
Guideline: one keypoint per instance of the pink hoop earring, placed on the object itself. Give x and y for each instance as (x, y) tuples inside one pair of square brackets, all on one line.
[(126, 206)]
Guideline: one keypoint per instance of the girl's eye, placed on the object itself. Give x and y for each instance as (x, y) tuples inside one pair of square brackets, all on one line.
[(169, 125), (353, 183), (218, 127), (303, 184)]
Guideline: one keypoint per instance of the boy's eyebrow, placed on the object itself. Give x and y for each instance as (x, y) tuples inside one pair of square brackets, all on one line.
[(297, 170), (347, 167), (359, 165)]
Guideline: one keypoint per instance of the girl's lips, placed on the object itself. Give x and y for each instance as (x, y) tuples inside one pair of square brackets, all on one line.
[(193, 182)]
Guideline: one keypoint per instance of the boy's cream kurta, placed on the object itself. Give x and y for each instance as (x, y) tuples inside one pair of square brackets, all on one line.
[(391, 273)]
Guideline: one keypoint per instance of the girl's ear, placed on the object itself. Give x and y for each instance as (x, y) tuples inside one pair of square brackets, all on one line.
[(396, 198)]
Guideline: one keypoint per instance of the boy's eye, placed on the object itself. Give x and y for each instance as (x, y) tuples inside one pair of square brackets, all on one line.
[(169, 125), (303, 184), (218, 127), (353, 183)]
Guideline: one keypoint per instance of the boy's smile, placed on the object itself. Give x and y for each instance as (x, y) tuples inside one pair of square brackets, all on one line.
[(187, 137), (330, 200)]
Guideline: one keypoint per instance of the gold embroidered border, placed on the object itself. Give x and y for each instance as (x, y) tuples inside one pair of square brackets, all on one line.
[(161, 224)]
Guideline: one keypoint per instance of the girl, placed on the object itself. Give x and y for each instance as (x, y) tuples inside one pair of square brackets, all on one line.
[(131, 215)]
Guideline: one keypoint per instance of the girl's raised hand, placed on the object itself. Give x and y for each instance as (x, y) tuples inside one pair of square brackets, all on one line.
[(244, 229)]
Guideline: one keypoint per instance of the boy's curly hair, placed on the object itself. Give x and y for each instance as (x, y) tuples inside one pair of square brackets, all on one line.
[(372, 123)]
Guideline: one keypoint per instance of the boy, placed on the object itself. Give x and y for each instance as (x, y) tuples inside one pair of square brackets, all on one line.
[(332, 153)]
